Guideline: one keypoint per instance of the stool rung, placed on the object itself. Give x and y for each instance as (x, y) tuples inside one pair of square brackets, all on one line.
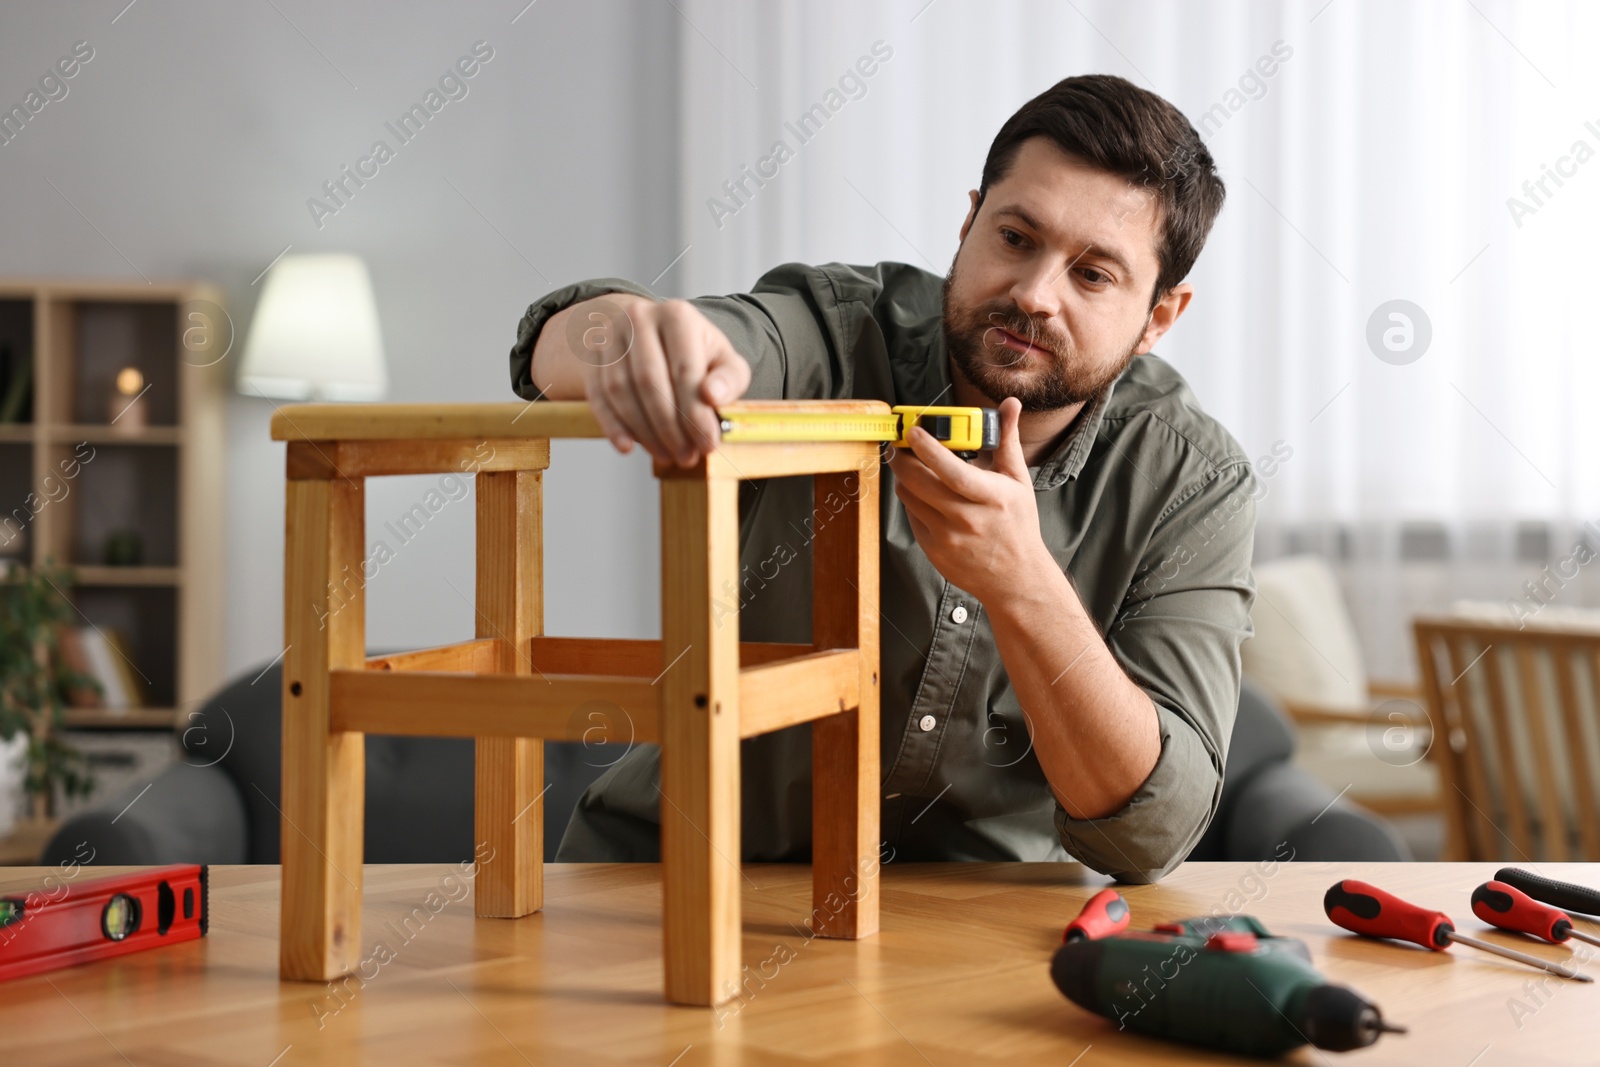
[(633, 657), (555, 707), (790, 691), (610, 656), (480, 655)]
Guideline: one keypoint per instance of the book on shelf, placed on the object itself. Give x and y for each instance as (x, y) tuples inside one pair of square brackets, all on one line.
[(16, 385), (102, 654)]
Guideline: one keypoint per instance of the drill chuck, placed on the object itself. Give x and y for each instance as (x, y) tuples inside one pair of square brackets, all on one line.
[(1339, 1019)]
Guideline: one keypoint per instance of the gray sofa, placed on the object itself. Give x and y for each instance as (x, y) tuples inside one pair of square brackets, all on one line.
[(219, 803), (1270, 807)]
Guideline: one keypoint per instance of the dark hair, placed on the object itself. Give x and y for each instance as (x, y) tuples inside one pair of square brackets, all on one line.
[(1118, 127)]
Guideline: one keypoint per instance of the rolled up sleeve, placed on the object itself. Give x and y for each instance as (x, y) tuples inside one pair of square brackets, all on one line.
[(787, 328), (539, 313), (1178, 636)]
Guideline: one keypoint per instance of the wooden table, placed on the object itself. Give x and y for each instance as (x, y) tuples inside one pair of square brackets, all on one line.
[(957, 976)]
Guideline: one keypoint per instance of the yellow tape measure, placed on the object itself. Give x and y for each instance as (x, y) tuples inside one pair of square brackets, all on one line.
[(958, 429)]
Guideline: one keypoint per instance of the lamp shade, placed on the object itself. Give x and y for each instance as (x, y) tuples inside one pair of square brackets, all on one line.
[(315, 334)]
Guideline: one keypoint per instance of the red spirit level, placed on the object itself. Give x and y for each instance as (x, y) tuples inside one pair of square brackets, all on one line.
[(101, 918)]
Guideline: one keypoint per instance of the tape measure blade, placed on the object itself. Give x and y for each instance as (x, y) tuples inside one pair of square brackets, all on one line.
[(750, 426)]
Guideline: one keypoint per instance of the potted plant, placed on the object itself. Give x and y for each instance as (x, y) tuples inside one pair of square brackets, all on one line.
[(33, 679)]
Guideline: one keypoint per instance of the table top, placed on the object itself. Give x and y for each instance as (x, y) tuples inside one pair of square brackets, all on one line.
[(958, 975)]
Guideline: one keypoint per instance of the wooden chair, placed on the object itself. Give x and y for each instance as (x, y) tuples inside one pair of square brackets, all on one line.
[(1516, 712), (697, 692)]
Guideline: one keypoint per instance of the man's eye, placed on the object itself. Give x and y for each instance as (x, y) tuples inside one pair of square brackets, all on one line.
[(1007, 235), (1100, 278)]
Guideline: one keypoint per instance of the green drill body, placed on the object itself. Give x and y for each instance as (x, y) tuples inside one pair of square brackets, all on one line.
[(1225, 983)]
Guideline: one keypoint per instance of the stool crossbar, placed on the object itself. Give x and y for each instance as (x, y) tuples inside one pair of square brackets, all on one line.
[(696, 692)]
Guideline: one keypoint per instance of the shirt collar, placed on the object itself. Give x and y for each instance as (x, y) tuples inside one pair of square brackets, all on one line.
[(1063, 464)]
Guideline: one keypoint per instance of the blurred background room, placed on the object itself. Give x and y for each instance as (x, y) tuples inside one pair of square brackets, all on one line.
[(1390, 315)]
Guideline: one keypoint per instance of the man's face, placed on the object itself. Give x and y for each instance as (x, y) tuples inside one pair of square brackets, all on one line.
[(1048, 298)]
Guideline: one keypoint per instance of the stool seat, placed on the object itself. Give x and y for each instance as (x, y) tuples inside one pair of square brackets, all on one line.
[(696, 692)]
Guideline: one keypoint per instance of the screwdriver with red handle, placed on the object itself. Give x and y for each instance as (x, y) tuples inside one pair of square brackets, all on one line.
[(1106, 914), (1367, 910), (1564, 895), (1509, 908)]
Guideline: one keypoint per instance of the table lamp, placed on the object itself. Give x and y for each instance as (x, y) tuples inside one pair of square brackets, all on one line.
[(315, 334)]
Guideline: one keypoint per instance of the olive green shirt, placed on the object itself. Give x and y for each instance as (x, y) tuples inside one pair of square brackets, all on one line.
[(1147, 504)]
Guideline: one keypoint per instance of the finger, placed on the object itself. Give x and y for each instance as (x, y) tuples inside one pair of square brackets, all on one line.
[(651, 376), (727, 372), (915, 477), (920, 532), (1008, 457), (652, 389), (686, 361), (610, 424), (617, 392), (919, 523), (951, 469)]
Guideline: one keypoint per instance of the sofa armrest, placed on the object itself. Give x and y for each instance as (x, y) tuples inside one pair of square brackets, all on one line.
[(1283, 811), (185, 814)]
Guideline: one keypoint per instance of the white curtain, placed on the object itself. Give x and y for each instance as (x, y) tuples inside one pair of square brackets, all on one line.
[(1376, 163)]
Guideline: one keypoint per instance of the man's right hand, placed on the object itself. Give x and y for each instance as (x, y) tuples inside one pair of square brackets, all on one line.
[(654, 371)]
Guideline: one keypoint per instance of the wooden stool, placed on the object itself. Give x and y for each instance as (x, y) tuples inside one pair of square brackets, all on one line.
[(696, 692)]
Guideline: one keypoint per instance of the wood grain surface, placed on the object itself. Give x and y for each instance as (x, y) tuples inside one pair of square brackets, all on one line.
[(957, 975), (494, 421)]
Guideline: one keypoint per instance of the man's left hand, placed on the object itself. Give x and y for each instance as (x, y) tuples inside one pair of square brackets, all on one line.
[(977, 522)]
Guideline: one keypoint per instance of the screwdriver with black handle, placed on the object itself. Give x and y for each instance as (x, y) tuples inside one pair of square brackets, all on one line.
[(1509, 908), (1564, 895), (1367, 910)]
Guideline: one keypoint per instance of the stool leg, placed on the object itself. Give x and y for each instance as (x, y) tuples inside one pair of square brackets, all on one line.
[(324, 773), (509, 776), (844, 747), (700, 738)]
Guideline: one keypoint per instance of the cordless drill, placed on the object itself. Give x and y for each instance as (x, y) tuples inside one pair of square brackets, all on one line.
[(1222, 982)]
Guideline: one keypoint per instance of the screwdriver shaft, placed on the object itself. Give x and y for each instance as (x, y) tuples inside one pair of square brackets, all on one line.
[(1520, 957), (1581, 936)]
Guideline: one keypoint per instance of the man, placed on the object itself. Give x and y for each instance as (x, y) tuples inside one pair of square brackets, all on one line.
[(1062, 620)]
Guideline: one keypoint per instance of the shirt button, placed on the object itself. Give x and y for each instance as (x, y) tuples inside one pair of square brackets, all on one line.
[(959, 615), (927, 722)]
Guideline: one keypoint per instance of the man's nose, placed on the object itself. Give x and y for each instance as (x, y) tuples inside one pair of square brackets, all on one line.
[(1037, 293)]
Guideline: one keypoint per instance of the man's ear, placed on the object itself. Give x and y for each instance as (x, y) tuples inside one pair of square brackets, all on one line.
[(972, 213), (1164, 315)]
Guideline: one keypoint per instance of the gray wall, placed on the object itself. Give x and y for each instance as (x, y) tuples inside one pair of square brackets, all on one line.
[(192, 141)]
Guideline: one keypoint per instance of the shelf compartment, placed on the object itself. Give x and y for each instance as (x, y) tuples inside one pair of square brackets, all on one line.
[(146, 618), (92, 340), (123, 487), (18, 367), (17, 527)]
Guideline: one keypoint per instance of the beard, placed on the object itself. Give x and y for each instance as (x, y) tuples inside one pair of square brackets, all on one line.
[(1054, 377)]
